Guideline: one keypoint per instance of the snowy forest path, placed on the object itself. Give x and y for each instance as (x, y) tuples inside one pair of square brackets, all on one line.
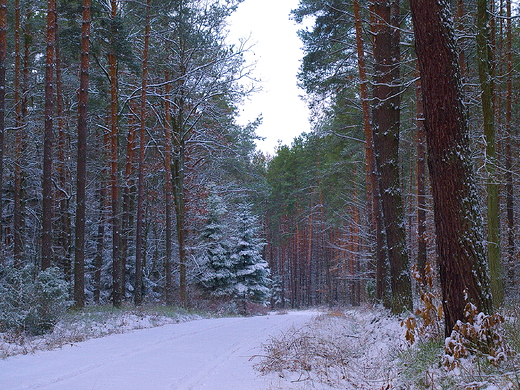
[(210, 354)]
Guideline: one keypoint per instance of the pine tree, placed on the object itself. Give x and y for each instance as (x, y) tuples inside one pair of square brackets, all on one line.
[(461, 253), (251, 270), (217, 278)]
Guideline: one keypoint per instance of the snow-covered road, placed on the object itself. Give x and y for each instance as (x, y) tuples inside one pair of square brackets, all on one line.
[(210, 354)]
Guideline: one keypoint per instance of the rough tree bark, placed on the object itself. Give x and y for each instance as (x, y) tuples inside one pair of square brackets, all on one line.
[(386, 124), (460, 235)]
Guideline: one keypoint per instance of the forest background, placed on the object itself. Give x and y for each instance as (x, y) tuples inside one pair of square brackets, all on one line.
[(123, 169)]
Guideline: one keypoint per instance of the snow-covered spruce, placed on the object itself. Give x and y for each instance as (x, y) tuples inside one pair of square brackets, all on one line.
[(217, 277), (231, 255)]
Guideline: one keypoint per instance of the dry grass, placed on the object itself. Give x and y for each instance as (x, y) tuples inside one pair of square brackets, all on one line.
[(344, 350)]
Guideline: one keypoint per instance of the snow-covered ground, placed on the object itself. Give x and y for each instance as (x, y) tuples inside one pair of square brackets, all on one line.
[(211, 354)]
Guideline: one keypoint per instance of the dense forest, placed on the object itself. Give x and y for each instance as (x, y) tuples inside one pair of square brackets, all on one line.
[(124, 171)]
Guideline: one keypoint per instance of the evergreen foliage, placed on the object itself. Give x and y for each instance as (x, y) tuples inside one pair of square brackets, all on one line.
[(32, 301), (232, 262), (217, 277), (252, 271)]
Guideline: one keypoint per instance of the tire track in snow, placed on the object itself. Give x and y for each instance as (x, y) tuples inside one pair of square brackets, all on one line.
[(202, 354)]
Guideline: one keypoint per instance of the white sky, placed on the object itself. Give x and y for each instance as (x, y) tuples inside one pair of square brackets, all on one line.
[(277, 52)]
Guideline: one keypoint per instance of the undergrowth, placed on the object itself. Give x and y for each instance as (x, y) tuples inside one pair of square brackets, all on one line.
[(352, 349), (480, 354)]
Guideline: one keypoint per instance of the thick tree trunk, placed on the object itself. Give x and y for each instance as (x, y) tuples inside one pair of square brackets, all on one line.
[(460, 235), (138, 297), (79, 256), (47, 204), (386, 123)]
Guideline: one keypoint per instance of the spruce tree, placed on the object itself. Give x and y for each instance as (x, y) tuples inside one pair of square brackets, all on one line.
[(251, 270), (217, 277)]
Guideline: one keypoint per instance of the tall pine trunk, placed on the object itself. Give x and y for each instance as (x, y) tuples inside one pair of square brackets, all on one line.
[(386, 126), (46, 251), (372, 186), (138, 297), (460, 235), (79, 256), (484, 57), (117, 271)]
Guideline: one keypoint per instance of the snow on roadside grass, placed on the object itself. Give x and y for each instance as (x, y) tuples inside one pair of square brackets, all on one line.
[(88, 324), (353, 349)]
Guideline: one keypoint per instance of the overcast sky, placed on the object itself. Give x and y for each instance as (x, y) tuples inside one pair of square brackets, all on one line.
[(277, 52)]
